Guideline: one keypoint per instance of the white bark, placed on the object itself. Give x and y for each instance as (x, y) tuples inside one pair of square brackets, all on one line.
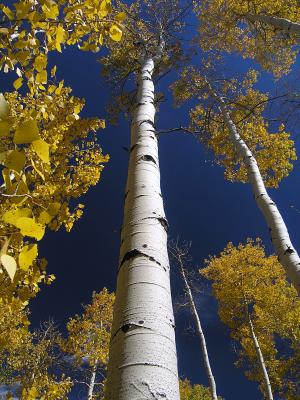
[(287, 255), (210, 376), (92, 382), (261, 361), (143, 360), (282, 24)]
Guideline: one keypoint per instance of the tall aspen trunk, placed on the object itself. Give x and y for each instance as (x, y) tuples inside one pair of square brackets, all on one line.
[(261, 361), (287, 255), (92, 382), (210, 376), (282, 24), (143, 360)]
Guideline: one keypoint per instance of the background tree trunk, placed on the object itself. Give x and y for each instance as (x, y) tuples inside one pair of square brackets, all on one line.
[(287, 255), (143, 360), (92, 382), (261, 361), (210, 376), (282, 24)]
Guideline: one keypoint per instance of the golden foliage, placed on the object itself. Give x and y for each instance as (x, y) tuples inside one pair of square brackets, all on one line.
[(89, 333), (193, 392), (33, 29), (225, 25), (274, 152), (49, 156), (247, 283)]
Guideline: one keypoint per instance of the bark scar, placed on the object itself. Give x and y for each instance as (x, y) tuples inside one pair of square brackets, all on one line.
[(162, 220), (147, 157), (137, 253)]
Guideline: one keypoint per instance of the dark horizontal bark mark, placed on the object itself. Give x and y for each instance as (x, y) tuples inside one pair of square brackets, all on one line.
[(147, 121), (149, 158), (163, 221), (137, 253)]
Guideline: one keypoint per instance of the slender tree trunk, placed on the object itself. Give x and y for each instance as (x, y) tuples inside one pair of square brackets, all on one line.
[(282, 24), (261, 361), (287, 255), (210, 376), (143, 360), (92, 382)]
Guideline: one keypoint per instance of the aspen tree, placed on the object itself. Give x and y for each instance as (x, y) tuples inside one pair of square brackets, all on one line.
[(256, 303), (143, 361), (180, 253), (88, 339), (242, 143), (33, 365), (265, 30)]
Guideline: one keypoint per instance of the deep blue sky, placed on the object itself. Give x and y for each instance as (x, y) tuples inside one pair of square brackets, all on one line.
[(200, 205)]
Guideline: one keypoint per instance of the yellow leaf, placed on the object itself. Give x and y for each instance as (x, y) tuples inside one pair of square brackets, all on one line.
[(115, 33), (29, 227), (4, 108), (4, 128), (54, 208), (27, 256), (51, 11), (26, 132), (120, 17), (44, 218), (9, 264), (7, 11), (42, 149), (15, 160), (4, 31), (40, 62), (60, 34), (6, 178), (105, 8), (11, 216), (41, 77), (53, 71), (37, 170), (18, 83)]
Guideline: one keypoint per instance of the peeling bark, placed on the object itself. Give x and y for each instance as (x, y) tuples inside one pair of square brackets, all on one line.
[(287, 255), (278, 23), (143, 360), (261, 360)]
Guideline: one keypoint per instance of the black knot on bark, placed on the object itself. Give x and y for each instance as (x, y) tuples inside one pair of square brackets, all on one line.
[(148, 158), (289, 250)]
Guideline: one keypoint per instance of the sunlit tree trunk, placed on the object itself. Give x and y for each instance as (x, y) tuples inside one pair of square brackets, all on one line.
[(92, 382), (261, 361), (143, 360), (211, 379), (282, 24), (287, 255)]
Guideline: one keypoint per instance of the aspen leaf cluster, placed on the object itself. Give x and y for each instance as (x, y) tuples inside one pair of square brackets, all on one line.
[(226, 25), (193, 392), (273, 151), (89, 333), (248, 284), (49, 155), (30, 30)]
